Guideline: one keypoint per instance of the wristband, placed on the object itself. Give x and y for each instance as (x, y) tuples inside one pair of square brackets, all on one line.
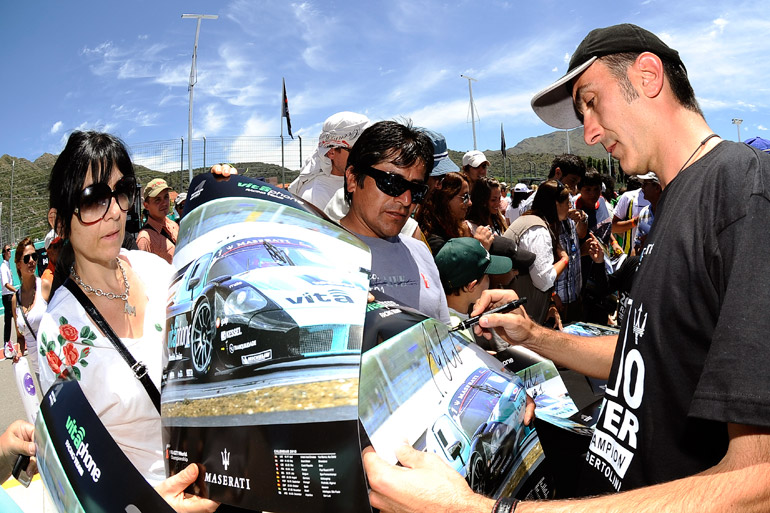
[(507, 505)]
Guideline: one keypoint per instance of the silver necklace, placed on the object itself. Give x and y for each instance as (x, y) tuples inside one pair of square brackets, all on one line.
[(128, 309), (702, 143)]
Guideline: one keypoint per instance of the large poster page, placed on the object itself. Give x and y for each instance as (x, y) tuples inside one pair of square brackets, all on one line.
[(264, 320), (440, 393)]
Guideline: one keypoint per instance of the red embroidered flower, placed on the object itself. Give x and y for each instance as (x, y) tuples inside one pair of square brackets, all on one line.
[(54, 362), (69, 332), (70, 354)]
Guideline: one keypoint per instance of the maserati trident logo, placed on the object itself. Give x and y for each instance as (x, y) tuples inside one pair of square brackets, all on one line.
[(225, 459)]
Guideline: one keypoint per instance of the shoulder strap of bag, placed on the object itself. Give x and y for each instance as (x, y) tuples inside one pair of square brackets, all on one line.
[(162, 232), (138, 368), (26, 321)]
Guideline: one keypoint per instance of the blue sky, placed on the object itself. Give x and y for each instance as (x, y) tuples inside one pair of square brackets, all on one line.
[(123, 67)]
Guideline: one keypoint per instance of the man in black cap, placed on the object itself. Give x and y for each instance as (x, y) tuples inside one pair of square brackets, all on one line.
[(685, 423)]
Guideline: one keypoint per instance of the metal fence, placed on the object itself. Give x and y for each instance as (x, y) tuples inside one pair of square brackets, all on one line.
[(171, 155)]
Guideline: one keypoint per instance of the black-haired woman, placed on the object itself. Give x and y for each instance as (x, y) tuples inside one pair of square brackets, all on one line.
[(92, 186), (537, 231)]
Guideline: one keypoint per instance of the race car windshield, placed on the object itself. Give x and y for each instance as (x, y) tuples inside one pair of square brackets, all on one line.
[(261, 254)]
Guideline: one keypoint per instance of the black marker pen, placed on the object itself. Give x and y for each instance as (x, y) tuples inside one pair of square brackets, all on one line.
[(470, 321)]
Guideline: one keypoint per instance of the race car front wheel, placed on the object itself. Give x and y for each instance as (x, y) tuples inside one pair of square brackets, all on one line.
[(202, 338)]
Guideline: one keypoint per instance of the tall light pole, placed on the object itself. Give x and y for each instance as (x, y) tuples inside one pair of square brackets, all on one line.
[(473, 107), (738, 122), (193, 80)]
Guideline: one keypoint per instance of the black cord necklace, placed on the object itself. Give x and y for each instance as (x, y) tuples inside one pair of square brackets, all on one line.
[(702, 143)]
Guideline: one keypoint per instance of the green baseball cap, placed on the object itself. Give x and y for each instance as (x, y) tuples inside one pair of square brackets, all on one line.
[(464, 259)]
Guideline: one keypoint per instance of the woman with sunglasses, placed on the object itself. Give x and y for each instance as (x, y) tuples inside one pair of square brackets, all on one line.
[(537, 231), (28, 304), (442, 216), (91, 187)]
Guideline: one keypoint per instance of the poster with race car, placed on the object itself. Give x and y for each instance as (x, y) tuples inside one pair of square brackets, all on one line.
[(264, 327), (435, 390)]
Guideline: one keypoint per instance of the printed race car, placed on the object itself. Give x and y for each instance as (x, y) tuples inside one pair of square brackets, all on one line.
[(480, 432), (260, 301)]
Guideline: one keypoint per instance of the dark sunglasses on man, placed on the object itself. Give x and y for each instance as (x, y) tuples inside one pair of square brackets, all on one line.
[(395, 185), (31, 256), (95, 200)]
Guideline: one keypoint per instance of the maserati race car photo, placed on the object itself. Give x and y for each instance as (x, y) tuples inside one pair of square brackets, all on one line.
[(255, 302)]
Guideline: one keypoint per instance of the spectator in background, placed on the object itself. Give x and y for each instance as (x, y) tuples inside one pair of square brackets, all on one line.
[(159, 233), (485, 206), (608, 190), (442, 164), (52, 246), (652, 191), (538, 231), (387, 170), (475, 166), (520, 193), (323, 172), (627, 209), (179, 204), (442, 216), (505, 198), (6, 279), (29, 302), (566, 168), (465, 267)]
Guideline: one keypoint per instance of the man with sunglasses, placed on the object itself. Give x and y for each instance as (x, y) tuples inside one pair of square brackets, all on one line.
[(8, 291), (385, 179), (159, 233)]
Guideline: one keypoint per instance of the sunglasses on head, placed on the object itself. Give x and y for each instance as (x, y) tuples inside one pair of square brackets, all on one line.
[(31, 256), (395, 185), (95, 200)]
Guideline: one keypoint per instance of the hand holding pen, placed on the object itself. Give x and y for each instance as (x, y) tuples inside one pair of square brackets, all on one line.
[(507, 307)]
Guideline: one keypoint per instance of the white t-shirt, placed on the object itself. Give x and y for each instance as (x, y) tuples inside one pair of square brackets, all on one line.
[(538, 241), (320, 189), (6, 277), (118, 398)]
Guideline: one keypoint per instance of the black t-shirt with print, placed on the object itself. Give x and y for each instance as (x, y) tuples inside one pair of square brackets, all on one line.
[(693, 352)]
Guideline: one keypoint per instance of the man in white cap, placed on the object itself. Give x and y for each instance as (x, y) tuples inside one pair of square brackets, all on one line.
[(684, 424), (159, 233), (324, 171), (475, 165)]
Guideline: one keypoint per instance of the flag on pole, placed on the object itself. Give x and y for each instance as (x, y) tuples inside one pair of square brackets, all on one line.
[(285, 109), (502, 141)]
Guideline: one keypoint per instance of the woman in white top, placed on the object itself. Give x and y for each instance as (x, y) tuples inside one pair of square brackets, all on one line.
[(538, 231), (92, 186), (29, 302)]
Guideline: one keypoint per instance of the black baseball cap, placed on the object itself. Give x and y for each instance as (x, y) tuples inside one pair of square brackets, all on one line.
[(554, 103)]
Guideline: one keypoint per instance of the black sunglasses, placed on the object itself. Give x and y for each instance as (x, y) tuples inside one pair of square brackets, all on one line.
[(31, 256), (95, 200), (396, 185), (466, 198)]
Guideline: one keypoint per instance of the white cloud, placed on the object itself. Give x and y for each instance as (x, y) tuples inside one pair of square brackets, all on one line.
[(56, 127), (761, 127), (212, 123)]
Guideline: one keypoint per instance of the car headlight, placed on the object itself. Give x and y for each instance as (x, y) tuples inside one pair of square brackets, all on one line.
[(245, 300)]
